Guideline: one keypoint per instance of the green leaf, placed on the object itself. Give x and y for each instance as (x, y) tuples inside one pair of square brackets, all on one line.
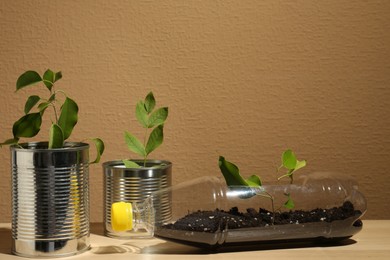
[(231, 173), (130, 164), (31, 102), (68, 117), (10, 142), (52, 97), (56, 137), (141, 114), (289, 204), (42, 106), (134, 144), (155, 139), (57, 76), (289, 160), (28, 78), (27, 126), (300, 164), (254, 181), (150, 103), (158, 117), (49, 78), (99, 144)]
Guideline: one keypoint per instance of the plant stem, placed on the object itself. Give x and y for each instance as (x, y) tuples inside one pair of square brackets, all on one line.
[(52, 102), (273, 207), (55, 112), (269, 196), (145, 156), (290, 175), (273, 210)]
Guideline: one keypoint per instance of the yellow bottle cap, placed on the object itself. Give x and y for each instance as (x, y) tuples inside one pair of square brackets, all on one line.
[(121, 216)]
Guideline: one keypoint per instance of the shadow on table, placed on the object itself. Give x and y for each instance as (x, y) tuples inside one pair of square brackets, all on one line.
[(6, 245), (174, 248), (162, 248), (136, 246), (168, 248)]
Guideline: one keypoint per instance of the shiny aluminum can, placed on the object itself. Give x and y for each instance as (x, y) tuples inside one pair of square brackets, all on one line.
[(50, 199), (135, 185)]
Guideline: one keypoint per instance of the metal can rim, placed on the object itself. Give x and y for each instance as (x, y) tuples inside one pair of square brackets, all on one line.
[(118, 164), (43, 147)]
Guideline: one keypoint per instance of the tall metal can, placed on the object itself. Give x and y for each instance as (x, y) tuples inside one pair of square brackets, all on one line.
[(50, 199), (135, 185)]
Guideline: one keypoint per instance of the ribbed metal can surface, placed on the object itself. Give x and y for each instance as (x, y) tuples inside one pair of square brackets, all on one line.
[(50, 199), (135, 185)]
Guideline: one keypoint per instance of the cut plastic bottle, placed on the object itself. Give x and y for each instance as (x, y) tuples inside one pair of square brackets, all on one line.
[(207, 213)]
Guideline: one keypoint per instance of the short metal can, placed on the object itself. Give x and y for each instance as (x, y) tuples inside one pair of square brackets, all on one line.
[(135, 185)]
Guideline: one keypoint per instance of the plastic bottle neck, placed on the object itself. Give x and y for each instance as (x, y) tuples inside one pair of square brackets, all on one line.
[(126, 216)]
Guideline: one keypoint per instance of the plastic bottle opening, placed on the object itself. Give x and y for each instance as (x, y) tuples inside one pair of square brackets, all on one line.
[(121, 216)]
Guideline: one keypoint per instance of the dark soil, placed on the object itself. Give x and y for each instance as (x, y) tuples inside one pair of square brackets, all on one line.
[(212, 221)]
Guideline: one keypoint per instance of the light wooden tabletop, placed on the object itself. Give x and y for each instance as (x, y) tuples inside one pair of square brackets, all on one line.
[(373, 242)]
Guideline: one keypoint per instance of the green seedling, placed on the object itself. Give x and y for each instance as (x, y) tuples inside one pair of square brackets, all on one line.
[(65, 113), (290, 162), (232, 176), (151, 119)]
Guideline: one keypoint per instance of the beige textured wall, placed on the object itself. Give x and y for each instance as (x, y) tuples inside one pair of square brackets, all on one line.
[(243, 79)]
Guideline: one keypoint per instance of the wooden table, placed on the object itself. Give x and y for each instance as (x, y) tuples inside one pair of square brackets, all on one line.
[(373, 242)]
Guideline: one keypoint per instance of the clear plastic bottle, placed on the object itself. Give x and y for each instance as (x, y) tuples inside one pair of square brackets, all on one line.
[(205, 212)]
